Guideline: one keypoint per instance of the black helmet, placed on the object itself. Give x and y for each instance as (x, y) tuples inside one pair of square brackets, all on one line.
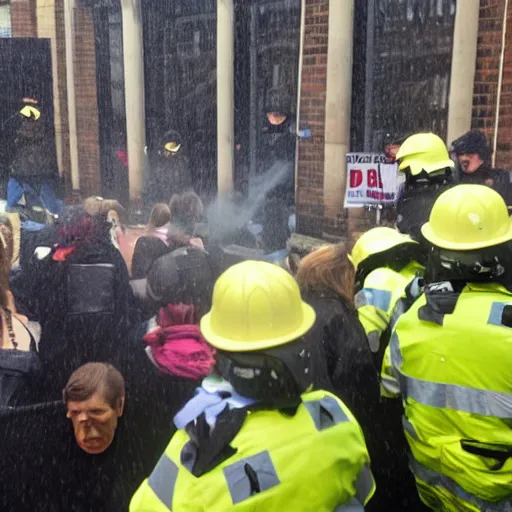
[(184, 275), (480, 265), (278, 375), (171, 141), (472, 142), (278, 100)]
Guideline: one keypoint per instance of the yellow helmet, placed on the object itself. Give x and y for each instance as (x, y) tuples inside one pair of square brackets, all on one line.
[(468, 217), (375, 241), (30, 112), (256, 305), (423, 152)]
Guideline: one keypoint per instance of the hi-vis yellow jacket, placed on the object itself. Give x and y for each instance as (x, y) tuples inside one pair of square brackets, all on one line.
[(377, 303), (453, 369), (314, 461)]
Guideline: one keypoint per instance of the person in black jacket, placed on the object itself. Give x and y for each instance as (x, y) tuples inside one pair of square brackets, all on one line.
[(426, 164), (84, 300), (326, 279), (170, 171), (473, 156)]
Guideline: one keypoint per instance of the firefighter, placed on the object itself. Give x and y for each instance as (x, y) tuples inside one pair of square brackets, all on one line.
[(427, 166), (387, 264), (259, 438), (451, 353)]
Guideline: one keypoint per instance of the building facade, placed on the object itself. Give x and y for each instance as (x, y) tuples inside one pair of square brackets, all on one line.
[(352, 73)]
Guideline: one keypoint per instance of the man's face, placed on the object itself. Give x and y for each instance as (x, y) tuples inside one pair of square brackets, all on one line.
[(94, 422), (276, 118), (391, 150), (470, 162)]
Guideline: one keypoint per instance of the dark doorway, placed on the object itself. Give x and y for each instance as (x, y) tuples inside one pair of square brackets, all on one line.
[(181, 83), (26, 66), (267, 67)]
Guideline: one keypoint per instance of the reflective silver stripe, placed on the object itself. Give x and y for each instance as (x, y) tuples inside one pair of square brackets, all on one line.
[(458, 398), (238, 476), (409, 427), (497, 312), (364, 485), (326, 412), (390, 385), (352, 506), (394, 351), (163, 480), (381, 299), (432, 478)]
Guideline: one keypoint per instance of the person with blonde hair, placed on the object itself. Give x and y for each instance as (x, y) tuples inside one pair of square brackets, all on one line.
[(326, 279), (345, 365)]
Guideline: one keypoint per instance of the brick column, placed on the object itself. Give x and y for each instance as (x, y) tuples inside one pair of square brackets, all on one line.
[(504, 150), (487, 76), (23, 18), (311, 153), (86, 103)]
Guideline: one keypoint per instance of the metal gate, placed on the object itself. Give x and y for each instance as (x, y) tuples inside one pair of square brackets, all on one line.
[(408, 64)]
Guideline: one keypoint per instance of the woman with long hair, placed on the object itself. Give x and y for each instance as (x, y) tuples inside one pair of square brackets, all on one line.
[(187, 210), (19, 362), (326, 277)]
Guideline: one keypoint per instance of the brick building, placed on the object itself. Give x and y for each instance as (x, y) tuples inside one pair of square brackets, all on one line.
[(364, 68), (491, 97)]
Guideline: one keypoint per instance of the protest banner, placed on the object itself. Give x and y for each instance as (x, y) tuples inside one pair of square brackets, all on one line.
[(371, 180)]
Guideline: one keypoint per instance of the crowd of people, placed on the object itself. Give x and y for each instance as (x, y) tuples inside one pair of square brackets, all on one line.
[(375, 379)]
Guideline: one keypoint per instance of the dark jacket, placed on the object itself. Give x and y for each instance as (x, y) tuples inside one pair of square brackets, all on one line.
[(498, 179), (83, 318), (414, 205), (147, 250), (349, 372), (47, 469)]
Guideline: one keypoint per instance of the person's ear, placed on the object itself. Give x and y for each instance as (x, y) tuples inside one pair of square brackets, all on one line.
[(68, 414), (120, 407)]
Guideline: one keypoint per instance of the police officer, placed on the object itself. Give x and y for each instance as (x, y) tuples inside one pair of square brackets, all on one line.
[(473, 157), (451, 356), (427, 166), (258, 438), (386, 263)]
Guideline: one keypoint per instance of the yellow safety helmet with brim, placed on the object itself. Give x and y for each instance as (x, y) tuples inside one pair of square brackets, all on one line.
[(377, 240), (423, 152), (30, 112), (468, 217), (256, 306)]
